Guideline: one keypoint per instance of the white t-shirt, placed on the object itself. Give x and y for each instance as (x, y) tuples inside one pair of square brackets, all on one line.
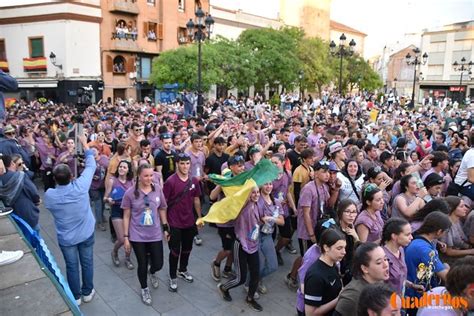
[(440, 310), (466, 163)]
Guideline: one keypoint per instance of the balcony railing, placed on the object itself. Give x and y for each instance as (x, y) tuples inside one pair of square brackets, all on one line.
[(125, 36), (125, 6), (125, 45)]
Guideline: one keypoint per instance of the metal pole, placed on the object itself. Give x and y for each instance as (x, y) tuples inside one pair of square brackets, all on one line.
[(460, 86), (200, 101), (414, 82), (340, 71)]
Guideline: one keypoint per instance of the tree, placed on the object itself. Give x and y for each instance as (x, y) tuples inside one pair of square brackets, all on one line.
[(360, 74), (317, 65), (275, 55)]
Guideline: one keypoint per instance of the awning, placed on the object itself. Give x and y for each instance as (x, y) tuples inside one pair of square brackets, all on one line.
[(37, 83)]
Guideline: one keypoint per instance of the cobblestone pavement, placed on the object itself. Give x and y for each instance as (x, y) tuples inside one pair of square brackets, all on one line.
[(118, 289)]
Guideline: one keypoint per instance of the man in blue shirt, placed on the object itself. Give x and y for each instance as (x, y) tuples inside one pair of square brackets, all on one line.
[(75, 223)]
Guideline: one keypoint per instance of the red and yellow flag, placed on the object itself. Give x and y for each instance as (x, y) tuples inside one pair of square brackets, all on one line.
[(34, 64)]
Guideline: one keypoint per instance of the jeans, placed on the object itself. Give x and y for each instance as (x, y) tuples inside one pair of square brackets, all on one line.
[(83, 253), (268, 257), (97, 200)]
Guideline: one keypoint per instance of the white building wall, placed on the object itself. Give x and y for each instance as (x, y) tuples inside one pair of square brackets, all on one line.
[(76, 45)]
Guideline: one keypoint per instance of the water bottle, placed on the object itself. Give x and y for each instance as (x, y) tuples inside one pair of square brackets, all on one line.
[(267, 228)]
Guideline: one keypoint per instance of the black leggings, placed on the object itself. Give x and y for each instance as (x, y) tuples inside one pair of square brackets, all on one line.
[(180, 244), (242, 260), (144, 250)]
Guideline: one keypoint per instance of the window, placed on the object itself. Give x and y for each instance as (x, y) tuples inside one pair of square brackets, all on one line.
[(181, 5), (119, 65), (182, 35), (3, 53), (150, 2), (145, 68), (151, 31), (36, 47)]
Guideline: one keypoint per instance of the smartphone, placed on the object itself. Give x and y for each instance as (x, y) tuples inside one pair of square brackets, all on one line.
[(419, 182), (274, 137)]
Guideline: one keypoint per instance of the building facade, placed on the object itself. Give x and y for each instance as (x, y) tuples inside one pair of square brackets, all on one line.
[(337, 29), (445, 46), (32, 31), (133, 32), (400, 75)]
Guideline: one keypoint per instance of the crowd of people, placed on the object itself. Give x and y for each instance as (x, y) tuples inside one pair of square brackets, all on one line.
[(370, 206)]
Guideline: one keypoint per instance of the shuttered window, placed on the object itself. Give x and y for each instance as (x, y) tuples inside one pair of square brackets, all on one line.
[(36, 47)]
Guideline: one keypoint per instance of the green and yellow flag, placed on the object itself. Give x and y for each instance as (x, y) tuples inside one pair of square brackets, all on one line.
[(237, 190)]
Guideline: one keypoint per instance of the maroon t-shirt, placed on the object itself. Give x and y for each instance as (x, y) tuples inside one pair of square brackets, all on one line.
[(180, 214)]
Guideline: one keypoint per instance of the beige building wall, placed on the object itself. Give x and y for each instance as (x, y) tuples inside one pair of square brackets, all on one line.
[(336, 30), (311, 15)]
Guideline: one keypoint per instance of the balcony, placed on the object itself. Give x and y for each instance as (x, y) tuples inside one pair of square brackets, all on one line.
[(125, 45), (125, 6)]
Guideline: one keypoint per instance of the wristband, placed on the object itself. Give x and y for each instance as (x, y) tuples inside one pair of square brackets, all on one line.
[(166, 228), (125, 236)]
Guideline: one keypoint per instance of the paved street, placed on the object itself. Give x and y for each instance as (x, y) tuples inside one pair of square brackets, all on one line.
[(118, 289)]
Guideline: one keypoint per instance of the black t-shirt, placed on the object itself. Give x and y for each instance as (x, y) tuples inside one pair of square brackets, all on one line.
[(322, 284), (166, 161), (295, 159), (214, 164)]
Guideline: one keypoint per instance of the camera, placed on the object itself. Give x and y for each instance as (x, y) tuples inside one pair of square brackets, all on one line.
[(84, 98)]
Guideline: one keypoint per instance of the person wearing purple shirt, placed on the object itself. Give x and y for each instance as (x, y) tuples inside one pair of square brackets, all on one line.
[(246, 256), (310, 257), (48, 153), (369, 223), (254, 155), (144, 209), (182, 192), (281, 192), (315, 198), (97, 189), (67, 157), (395, 236)]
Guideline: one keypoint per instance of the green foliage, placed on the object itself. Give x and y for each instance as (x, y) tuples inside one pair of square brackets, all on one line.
[(261, 57)]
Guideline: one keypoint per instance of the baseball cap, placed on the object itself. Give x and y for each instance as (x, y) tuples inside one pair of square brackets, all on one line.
[(322, 164), (433, 179), (9, 129), (236, 159), (333, 167), (335, 147)]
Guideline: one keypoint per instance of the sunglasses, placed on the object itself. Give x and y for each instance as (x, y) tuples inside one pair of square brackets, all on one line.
[(138, 130), (9, 133), (183, 156), (322, 142), (146, 200), (166, 136), (377, 169)]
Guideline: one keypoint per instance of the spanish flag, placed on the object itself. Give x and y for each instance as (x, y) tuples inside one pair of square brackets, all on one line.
[(4, 66), (34, 64), (237, 190)]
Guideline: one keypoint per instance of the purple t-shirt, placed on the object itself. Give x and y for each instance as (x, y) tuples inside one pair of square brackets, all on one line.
[(99, 175), (45, 152), (375, 226), (397, 270), (145, 224), (313, 140), (247, 227), (118, 190), (249, 165), (197, 163), (315, 199), (280, 191), (180, 214), (310, 257)]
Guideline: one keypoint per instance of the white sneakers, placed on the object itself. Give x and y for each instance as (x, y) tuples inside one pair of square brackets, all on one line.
[(88, 298), (7, 257)]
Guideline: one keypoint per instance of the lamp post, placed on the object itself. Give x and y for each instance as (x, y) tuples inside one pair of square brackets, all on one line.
[(462, 67), (395, 87), (342, 51), (52, 57), (301, 76), (200, 30), (415, 60)]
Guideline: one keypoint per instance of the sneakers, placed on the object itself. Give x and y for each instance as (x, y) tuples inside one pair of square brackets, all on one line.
[(291, 283), (154, 280), (89, 298), (7, 257), (279, 258), (129, 264), (146, 296), (262, 289), (225, 294), (254, 305), (115, 258), (186, 276), (4, 211), (78, 302), (256, 296), (173, 286), (197, 240), (228, 274), (215, 271), (291, 249)]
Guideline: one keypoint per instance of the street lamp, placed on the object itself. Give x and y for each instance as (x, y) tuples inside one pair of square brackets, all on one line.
[(342, 51), (52, 57), (301, 76), (395, 87), (462, 67), (415, 60), (200, 30)]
